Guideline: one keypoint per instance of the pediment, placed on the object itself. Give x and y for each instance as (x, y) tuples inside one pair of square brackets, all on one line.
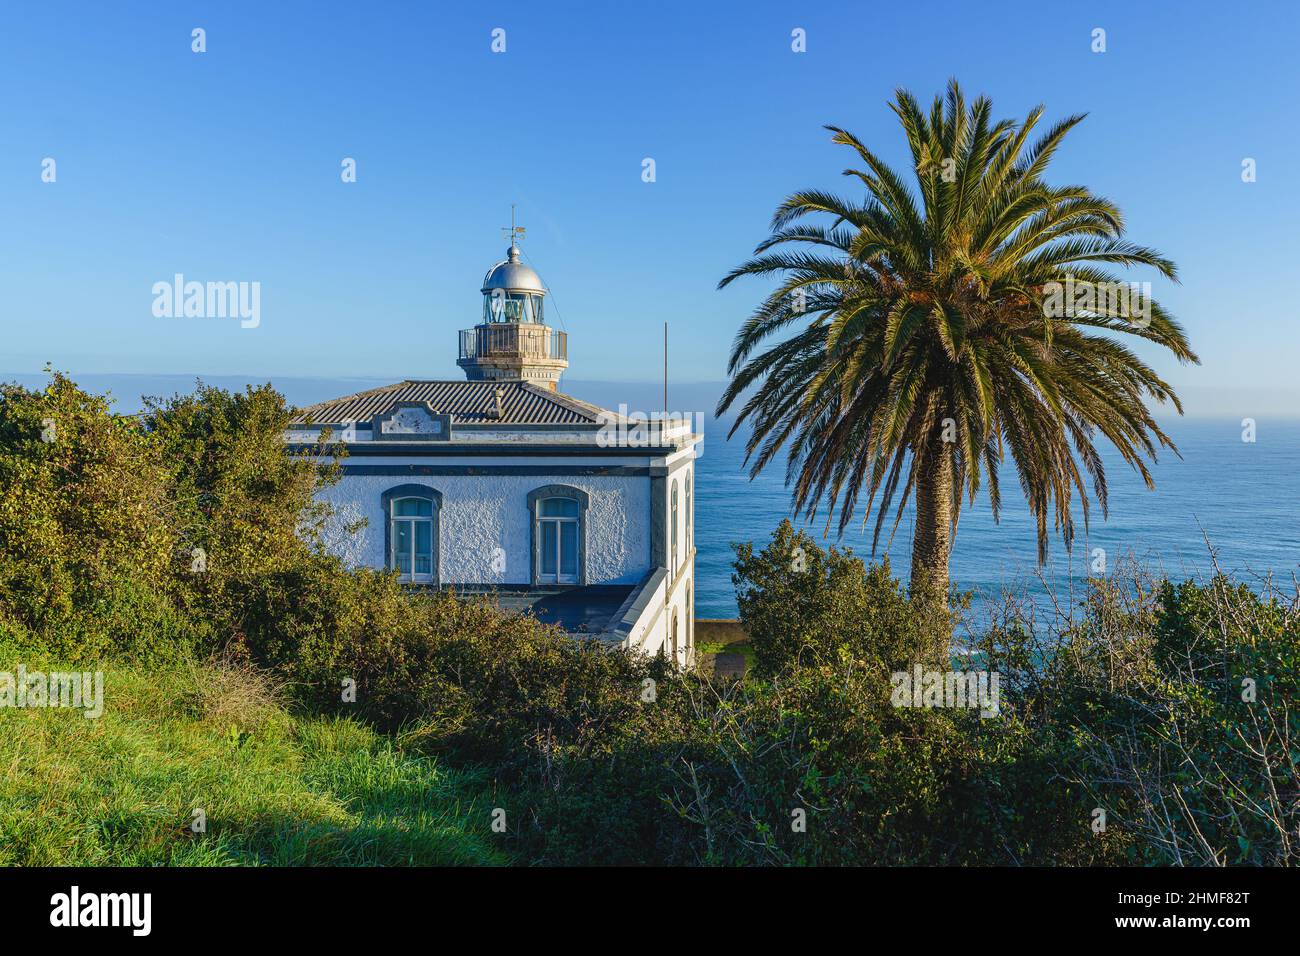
[(411, 421)]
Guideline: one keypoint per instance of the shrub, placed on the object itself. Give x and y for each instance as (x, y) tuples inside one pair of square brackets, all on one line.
[(86, 545), (239, 497), (1176, 714), (803, 606)]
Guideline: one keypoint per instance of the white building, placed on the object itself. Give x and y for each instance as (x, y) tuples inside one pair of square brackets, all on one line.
[(502, 484)]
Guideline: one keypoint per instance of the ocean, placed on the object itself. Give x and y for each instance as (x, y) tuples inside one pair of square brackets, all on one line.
[(1244, 497)]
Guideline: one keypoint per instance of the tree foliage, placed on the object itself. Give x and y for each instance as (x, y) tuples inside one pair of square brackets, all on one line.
[(910, 344)]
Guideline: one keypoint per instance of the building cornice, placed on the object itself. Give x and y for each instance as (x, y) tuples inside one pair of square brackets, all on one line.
[(454, 449)]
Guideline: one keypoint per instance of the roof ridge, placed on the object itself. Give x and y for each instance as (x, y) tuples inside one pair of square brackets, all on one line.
[(564, 400), (364, 392), (452, 381), (468, 402)]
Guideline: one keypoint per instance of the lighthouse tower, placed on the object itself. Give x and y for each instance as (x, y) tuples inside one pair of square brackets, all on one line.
[(513, 341)]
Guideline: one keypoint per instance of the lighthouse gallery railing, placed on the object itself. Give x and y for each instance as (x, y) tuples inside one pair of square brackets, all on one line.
[(506, 341)]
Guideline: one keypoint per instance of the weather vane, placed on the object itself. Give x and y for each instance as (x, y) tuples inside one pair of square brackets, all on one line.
[(514, 232)]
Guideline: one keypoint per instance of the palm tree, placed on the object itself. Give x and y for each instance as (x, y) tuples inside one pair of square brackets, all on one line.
[(937, 326)]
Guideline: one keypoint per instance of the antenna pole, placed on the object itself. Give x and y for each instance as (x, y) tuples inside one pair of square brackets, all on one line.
[(515, 232), (665, 369)]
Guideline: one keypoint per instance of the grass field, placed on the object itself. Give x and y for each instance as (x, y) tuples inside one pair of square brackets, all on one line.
[(275, 789)]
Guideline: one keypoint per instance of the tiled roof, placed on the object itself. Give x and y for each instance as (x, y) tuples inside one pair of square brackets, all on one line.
[(522, 403)]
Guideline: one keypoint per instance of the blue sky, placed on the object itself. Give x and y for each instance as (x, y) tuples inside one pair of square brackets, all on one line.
[(225, 166)]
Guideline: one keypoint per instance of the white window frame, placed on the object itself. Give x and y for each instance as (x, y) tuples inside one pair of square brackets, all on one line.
[(559, 577), (391, 499), (673, 532), (536, 524), (690, 476), (413, 520)]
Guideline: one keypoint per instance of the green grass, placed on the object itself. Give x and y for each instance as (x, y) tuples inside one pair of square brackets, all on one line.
[(743, 648), (276, 789)]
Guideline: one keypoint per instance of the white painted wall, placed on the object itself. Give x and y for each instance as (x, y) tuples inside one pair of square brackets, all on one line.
[(675, 596), (652, 633), (678, 481), (482, 513)]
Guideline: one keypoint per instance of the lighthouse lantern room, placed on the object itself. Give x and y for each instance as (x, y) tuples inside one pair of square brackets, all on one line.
[(513, 341)]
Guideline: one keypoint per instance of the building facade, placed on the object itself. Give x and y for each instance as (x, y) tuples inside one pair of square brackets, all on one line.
[(503, 485)]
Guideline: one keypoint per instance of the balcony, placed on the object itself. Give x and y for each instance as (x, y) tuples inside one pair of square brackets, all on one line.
[(514, 341)]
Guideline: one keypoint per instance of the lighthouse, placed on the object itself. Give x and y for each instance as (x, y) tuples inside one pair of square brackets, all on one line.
[(502, 485), (512, 340)]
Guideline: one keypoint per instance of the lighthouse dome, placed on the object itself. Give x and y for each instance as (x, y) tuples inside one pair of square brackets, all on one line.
[(513, 276)]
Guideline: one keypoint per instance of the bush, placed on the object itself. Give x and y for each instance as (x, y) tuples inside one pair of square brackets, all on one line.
[(86, 544), (100, 516), (1126, 708), (1175, 712), (803, 606)]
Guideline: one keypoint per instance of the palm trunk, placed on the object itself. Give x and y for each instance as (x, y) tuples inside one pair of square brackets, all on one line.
[(932, 540)]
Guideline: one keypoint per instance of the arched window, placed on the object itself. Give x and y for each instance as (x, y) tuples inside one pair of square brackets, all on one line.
[(674, 639), (411, 532), (689, 632), (673, 532), (690, 512), (557, 520), (558, 515)]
